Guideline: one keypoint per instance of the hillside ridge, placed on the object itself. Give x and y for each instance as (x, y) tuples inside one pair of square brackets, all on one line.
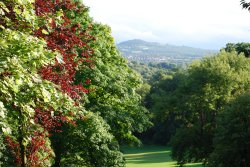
[(143, 51)]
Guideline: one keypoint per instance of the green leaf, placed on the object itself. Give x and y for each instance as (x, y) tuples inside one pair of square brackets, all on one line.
[(6, 130), (18, 11), (46, 94), (45, 32), (2, 110)]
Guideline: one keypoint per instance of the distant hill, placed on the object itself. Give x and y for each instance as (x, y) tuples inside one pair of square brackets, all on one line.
[(142, 51)]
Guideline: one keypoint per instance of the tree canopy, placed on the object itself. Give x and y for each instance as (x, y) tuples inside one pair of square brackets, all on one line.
[(232, 135), (184, 105), (245, 4), (61, 85)]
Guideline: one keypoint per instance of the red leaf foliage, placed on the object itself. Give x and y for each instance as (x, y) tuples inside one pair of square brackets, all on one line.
[(37, 144), (67, 38), (51, 122)]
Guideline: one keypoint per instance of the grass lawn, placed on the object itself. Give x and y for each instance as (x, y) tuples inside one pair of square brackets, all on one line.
[(151, 156)]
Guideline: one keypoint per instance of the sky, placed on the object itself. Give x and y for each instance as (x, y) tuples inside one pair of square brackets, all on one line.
[(208, 24)]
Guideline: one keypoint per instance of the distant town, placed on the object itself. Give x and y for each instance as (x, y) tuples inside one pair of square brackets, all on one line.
[(145, 52)]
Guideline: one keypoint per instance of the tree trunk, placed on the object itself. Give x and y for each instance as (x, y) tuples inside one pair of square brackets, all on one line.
[(20, 141), (22, 152), (57, 161)]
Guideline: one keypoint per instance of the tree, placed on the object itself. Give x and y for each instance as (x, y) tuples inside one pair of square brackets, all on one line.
[(61, 29), (161, 102), (239, 48), (23, 91), (18, 15), (114, 97), (88, 144), (71, 37), (208, 86), (245, 4), (44, 84), (231, 141), (35, 105)]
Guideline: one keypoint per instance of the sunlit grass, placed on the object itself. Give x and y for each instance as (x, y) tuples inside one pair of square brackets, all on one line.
[(151, 156)]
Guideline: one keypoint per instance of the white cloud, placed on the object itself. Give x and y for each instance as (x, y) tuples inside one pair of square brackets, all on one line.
[(123, 32), (171, 21)]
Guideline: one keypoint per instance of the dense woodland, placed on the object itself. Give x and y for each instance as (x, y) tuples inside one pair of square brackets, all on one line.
[(68, 97)]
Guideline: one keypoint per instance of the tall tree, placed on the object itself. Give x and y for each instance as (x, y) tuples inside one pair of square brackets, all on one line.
[(22, 92), (71, 37), (114, 84), (232, 145), (208, 86), (43, 110), (61, 78)]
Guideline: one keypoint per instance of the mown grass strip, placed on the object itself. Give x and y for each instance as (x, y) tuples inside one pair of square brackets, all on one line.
[(151, 156)]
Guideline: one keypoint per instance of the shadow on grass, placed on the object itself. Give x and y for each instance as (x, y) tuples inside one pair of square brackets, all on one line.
[(152, 156)]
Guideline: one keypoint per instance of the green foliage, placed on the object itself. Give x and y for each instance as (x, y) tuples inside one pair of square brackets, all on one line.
[(22, 90), (114, 84), (88, 144), (207, 87), (158, 97), (163, 65), (21, 86), (163, 101), (152, 73), (231, 141), (5, 159), (18, 15), (239, 48)]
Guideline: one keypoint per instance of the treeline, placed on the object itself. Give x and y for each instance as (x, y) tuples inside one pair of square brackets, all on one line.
[(67, 97), (203, 110)]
